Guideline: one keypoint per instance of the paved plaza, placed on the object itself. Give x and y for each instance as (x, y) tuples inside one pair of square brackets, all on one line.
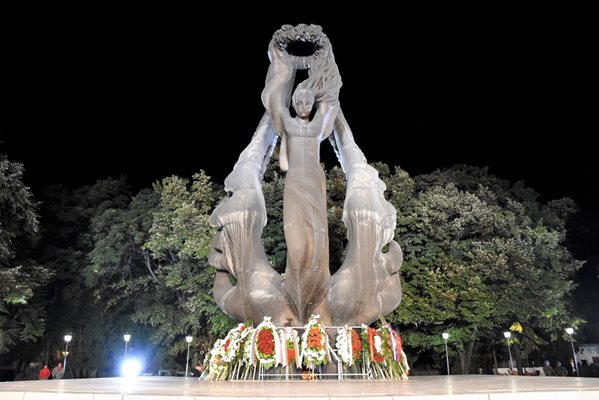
[(471, 387)]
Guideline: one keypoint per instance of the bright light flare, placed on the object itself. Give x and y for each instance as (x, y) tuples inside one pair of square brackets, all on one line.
[(130, 368)]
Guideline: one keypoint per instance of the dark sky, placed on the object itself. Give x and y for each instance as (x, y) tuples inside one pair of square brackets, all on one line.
[(85, 100), (98, 93)]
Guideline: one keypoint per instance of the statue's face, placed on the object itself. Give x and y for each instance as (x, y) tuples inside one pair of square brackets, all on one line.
[(303, 103)]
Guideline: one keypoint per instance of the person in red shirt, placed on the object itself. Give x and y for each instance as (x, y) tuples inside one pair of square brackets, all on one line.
[(44, 372)]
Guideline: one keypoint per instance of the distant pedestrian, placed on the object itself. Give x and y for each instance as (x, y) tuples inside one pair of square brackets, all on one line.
[(44, 372), (548, 369), (58, 371), (560, 370)]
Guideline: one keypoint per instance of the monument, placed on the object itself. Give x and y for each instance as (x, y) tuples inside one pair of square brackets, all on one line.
[(367, 285)]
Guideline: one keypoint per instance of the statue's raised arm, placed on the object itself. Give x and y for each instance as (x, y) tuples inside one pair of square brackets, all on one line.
[(277, 90)]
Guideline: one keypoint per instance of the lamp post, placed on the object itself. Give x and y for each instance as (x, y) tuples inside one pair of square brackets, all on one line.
[(127, 337), (445, 336), (67, 339), (508, 335), (188, 339), (570, 331)]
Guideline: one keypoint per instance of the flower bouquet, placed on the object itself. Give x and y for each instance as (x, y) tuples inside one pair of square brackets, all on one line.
[(315, 343), (266, 345), (217, 367), (290, 346), (373, 344), (348, 345), (395, 359)]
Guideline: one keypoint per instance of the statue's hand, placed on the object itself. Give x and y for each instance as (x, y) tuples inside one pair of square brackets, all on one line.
[(281, 65), (277, 54)]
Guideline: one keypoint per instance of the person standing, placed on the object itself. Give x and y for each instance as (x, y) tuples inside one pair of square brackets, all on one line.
[(58, 371), (560, 370), (44, 372), (548, 369)]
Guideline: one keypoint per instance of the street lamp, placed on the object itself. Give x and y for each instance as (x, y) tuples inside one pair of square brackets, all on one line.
[(570, 331), (445, 337), (67, 339), (127, 338), (188, 339), (508, 335)]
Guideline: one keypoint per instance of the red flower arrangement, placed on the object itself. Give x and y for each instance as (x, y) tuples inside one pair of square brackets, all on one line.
[(266, 342), (266, 345), (356, 346), (373, 343), (315, 343)]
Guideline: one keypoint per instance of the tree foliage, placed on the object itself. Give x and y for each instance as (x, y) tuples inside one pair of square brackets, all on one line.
[(479, 255), (150, 257), (67, 241), (22, 315)]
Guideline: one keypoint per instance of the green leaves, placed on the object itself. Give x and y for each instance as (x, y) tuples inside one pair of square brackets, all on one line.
[(180, 226), (21, 317), (478, 255)]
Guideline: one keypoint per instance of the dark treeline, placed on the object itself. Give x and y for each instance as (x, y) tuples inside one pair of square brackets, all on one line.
[(481, 255)]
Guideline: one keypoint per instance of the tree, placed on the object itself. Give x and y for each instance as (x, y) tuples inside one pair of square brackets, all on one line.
[(479, 255), (150, 258), (67, 242), (22, 315)]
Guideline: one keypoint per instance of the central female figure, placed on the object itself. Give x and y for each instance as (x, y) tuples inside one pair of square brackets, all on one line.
[(307, 272)]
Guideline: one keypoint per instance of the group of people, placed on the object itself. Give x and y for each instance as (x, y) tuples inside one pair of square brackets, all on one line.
[(56, 373), (559, 369)]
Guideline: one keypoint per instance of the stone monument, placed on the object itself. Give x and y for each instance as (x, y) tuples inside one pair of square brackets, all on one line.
[(367, 285)]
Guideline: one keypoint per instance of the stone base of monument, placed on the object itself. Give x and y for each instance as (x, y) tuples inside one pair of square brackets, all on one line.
[(471, 387)]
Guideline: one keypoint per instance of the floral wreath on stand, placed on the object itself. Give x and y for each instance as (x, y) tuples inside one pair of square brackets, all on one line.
[(373, 343), (396, 360), (315, 343), (233, 342), (348, 345), (266, 345), (290, 346), (246, 344), (217, 367)]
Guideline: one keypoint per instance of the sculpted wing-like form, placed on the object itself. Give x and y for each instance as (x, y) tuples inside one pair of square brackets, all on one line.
[(367, 285), (237, 250)]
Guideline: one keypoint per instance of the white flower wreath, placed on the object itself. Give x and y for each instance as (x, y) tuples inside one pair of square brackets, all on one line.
[(315, 343), (216, 364), (343, 343), (233, 341)]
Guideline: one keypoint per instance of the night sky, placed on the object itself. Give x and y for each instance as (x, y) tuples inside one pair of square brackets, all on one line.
[(148, 99), (98, 93)]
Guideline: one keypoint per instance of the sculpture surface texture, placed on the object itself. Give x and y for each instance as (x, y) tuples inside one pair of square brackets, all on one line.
[(367, 285)]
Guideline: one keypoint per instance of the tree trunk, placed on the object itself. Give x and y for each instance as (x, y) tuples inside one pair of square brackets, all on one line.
[(495, 360), (466, 355), (518, 355)]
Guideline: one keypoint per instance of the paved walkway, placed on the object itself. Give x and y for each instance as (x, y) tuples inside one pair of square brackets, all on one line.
[(470, 387)]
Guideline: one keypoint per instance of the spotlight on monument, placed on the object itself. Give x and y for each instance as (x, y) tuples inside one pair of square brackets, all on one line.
[(130, 368)]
